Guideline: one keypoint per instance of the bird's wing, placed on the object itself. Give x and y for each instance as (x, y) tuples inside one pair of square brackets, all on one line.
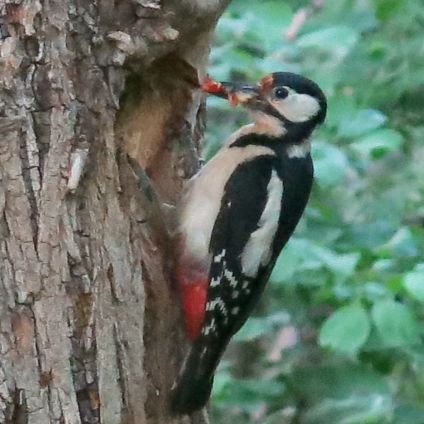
[(240, 245)]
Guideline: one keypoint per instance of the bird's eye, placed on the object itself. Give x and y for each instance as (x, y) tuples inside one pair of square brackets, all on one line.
[(281, 93)]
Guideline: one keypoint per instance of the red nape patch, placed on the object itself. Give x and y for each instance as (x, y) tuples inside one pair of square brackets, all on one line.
[(266, 83), (211, 86), (193, 287)]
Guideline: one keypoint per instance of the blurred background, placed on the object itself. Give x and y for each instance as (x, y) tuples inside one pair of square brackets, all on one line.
[(338, 335)]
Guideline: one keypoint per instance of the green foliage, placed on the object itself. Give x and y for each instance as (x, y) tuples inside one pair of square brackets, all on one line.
[(338, 336), (346, 330), (395, 325), (413, 283), (344, 394)]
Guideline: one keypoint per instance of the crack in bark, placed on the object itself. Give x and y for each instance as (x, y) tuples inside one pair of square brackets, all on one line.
[(20, 412), (28, 183), (4, 28), (41, 138), (122, 378), (88, 410)]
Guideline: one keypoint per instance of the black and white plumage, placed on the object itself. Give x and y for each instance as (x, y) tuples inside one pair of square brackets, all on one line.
[(237, 214)]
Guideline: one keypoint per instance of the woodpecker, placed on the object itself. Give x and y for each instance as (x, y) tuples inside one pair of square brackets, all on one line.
[(235, 216)]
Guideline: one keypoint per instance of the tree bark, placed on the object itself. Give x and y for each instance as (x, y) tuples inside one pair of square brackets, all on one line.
[(89, 321)]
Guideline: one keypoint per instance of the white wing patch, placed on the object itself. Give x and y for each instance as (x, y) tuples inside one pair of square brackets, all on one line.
[(300, 150), (258, 248)]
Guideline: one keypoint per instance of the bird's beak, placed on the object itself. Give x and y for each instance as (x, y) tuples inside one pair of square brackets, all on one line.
[(235, 92)]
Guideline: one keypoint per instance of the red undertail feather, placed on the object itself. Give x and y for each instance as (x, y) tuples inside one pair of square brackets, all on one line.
[(193, 286)]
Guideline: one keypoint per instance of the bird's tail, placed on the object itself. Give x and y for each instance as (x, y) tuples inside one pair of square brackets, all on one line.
[(194, 384)]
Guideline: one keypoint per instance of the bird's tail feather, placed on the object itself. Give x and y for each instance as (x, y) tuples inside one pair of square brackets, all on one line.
[(194, 384)]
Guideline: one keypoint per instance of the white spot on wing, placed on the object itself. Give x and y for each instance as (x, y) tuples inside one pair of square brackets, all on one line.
[(216, 304), (209, 328), (230, 277), (218, 258), (258, 248), (235, 294), (215, 282)]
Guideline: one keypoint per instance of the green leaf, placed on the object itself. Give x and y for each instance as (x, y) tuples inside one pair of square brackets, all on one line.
[(342, 266), (248, 394), (346, 330), (330, 164), (257, 327), (386, 8), (275, 14), (253, 329), (395, 324), (378, 143), (345, 393), (414, 284), (373, 291), (266, 17), (356, 409), (332, 38), (409, 414), (361, 123), (337, 380), (298, 255), (402, 244), (287, 264), (341, 108)]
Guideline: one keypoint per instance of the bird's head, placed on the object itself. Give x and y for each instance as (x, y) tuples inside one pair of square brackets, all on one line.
[(288, 101)]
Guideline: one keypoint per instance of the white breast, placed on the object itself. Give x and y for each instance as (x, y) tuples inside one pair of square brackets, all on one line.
[(202, 200)]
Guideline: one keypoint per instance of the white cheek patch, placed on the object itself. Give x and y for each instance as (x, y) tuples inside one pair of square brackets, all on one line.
[(297, 107)]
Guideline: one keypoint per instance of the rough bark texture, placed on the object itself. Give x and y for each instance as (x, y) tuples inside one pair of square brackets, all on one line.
[(89, 321)]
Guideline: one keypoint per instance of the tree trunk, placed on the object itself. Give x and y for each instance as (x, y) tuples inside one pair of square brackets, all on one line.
[(89, 321)]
